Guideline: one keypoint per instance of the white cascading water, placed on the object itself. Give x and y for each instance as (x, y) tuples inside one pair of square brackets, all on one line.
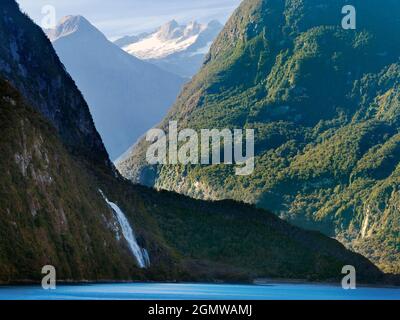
[(141, 254)]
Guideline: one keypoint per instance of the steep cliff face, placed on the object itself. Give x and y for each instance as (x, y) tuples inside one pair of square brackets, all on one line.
[(54, 164), (30, 63), (324, 102), (50, 212)]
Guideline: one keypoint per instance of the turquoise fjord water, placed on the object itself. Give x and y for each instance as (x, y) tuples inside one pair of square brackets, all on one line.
[(158, 291)]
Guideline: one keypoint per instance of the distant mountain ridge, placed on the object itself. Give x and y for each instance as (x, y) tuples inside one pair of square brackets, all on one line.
[(174, 47), (126, 95)]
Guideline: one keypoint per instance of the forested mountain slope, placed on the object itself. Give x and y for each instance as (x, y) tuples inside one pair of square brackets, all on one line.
[(324, 103)]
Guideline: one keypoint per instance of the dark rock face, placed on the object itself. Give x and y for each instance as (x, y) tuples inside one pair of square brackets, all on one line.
[(30, 63)]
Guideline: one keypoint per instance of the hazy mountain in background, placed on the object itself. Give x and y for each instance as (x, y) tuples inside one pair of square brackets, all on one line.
[(126, 95), (325, 106), (176, 48)]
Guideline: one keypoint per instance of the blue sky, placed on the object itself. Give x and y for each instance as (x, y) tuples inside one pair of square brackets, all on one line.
[(117, 18)]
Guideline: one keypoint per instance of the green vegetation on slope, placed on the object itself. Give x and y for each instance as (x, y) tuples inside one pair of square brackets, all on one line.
[(324, 102), (237, 242), (52, 213)]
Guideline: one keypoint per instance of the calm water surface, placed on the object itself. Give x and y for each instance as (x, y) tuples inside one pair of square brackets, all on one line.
[(158, 291)]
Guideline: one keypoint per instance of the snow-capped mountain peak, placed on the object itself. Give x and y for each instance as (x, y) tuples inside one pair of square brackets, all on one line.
[(171, 38), (170, 30)]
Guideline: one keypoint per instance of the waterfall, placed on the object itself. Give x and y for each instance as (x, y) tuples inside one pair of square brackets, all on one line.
[(141, 254)]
